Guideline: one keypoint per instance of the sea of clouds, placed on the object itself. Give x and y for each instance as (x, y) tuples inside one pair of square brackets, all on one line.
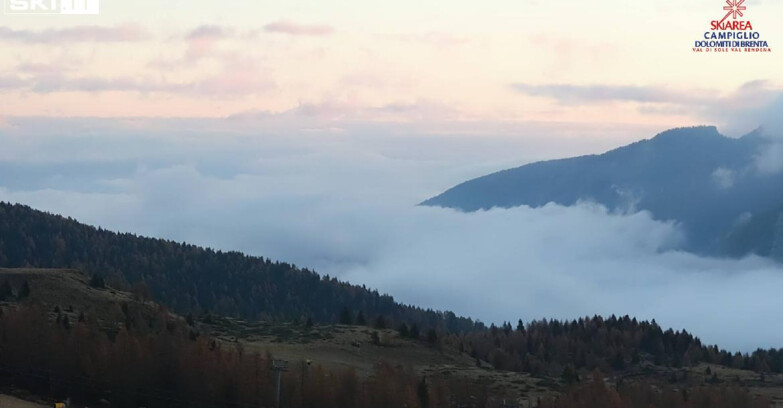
[(343, 202)]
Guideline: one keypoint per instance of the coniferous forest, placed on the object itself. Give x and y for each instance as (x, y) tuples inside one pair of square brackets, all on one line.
[(191, 279), (606, 344), (170, 366)]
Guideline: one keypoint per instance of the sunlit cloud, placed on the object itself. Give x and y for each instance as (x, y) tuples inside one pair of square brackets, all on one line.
[(347, 112), (207, 32), (292, 28), (92, 34), (11, 82), (574, 94), (439, 39), (238, 84), (202, 41)]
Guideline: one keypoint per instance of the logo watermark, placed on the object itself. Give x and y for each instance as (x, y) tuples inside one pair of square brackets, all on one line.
[(732, 34), (66, 7)]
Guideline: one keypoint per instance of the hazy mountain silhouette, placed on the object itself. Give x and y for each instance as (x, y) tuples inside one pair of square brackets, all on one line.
[(696, 176), (761, 234)]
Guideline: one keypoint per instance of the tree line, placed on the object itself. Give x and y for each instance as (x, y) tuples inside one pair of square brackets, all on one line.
[(611, 344), (168, 365), (596, 394)]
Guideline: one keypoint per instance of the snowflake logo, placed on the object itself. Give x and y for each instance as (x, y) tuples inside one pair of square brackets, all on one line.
[(734, 8)]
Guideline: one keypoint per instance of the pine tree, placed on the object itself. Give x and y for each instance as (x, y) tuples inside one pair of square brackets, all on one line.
[(520, 326), (380, 323), (569, 375), (6, 292), (404, 332), (618, 362), (97, 281), (414, 334), (345, 317), (432, 337), (423, 393), (24, 291)]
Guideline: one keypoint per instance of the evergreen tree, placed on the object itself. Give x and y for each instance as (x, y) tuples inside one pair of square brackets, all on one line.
[(423, 392), (6, 292), (635, 357), (345, 316), (414, 333), (520, 326), (618, 362), (380, 322), (97, 281), (569, 375), (24, 291)]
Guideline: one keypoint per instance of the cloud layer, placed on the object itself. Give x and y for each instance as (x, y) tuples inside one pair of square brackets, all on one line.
[(569, 93), (343, 203)]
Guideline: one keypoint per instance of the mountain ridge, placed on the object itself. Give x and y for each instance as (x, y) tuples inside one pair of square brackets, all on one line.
[(694, 175)]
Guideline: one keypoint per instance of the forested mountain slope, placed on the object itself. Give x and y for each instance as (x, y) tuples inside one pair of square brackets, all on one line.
[(188, 278), (696, 176)]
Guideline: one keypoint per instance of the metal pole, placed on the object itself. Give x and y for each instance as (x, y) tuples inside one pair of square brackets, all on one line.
[(279, 366), (279, 372)]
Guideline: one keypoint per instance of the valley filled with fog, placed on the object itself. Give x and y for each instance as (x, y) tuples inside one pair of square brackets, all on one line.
[(344, 204)]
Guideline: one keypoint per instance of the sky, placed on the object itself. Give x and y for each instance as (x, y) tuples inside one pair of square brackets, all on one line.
[(308, 131), (498, 61)]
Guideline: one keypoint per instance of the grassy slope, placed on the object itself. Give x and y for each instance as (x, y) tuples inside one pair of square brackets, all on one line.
[(70, 291), (7, 401)]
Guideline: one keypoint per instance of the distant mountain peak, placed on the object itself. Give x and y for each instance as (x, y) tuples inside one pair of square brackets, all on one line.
[(675, 175), (765, 135), (694, 132)]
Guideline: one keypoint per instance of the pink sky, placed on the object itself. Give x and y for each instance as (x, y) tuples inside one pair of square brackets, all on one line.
[(620, 62)]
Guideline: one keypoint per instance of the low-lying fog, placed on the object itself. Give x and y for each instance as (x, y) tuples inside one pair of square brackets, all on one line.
[(343, 202)]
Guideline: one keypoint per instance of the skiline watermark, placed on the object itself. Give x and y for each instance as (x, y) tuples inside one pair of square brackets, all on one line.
[(60, 7)]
